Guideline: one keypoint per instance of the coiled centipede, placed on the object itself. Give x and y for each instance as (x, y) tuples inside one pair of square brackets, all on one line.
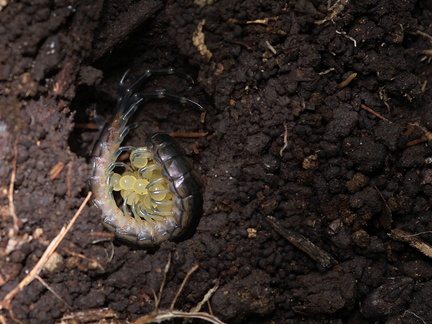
[(158, 196)]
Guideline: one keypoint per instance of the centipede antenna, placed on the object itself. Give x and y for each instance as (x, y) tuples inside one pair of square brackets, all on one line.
[(98, 120), (162, 94), (161, 71), (122, 90), (126, 94)]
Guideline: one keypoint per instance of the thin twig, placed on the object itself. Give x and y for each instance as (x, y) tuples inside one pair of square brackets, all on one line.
[(2, 320), (16, 220), (6, 302), (82, 256), (299, 241), (418, 32), (335, 9), (163, 315), (69, 179), (285, 139), (56, 170), (415, 242), (43, 282), (207, 296), (167, 315), (415, 315), (159, 297), (374, 113), (182, 286)]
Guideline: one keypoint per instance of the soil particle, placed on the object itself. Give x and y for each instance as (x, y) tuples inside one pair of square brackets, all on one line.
[(413, 157), (249, 299), (256, 143), (417, 269), (388, 299), (342, 124), (364, 154), (337, 289)]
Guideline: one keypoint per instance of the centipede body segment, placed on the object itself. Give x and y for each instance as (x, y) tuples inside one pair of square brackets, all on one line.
[(155, 195)]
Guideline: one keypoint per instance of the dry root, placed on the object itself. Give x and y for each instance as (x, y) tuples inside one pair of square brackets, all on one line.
[(158, 316)]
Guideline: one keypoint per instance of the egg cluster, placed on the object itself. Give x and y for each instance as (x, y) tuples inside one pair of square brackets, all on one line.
[(143, 188)]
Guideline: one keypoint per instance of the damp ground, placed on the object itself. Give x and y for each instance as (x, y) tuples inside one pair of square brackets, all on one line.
[(314, 152)]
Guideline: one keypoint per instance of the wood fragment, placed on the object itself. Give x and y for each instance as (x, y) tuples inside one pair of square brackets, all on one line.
[(206, 298), (427, 52), (426, 137), (56, 170), (69, 179), (374, 113), (335, 9), (89, 316), (426, 35), (189, 134), (82, 256), (417, 141), (203, 117), (412, 240), (89, 126), (2, 320), (264, 21), (302, 243), (3, 4), (167, 315), (424, 86)]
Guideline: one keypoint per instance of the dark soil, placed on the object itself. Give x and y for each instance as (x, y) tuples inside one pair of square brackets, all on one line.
[(287, 138)]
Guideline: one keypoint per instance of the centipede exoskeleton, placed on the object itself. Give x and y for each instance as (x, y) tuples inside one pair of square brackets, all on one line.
[(155, 195)]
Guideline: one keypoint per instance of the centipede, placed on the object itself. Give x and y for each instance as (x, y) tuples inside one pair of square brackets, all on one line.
[(155, 195)]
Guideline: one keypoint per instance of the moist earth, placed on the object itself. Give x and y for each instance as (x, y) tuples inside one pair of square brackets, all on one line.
[(314, 152)]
